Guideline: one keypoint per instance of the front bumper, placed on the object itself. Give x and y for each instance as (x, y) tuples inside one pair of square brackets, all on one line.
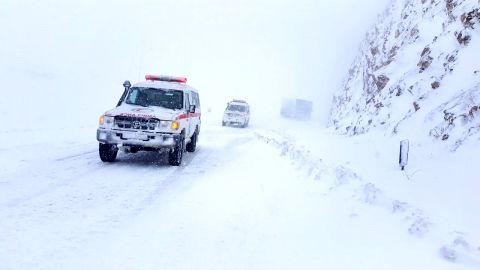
[(137, 138), (239, 120)]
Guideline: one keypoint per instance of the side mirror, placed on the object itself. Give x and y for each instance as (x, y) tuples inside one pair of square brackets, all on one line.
[(192, 109)]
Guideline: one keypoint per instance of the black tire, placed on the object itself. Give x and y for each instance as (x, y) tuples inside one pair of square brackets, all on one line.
[(107, 152), (192, 145), (175, 155), (223, 123)]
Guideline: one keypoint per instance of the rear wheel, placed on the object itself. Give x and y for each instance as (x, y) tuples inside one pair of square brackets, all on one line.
[(223, 123), (108, 152), (176, 154), (192, 145)]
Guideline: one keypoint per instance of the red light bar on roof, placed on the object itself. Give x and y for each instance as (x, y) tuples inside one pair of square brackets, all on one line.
[(164, 78)]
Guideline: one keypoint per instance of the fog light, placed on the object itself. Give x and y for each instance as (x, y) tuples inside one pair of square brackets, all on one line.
[(102, 136)]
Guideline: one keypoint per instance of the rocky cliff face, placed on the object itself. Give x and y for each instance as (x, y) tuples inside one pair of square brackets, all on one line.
[(418, 71)]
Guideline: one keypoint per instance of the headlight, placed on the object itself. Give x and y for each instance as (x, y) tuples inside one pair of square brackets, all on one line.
[(163, 124), (175, 125), (105, 120)]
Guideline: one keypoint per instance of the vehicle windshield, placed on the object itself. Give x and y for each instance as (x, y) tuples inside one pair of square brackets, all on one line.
[(166, 98), (236, 108)]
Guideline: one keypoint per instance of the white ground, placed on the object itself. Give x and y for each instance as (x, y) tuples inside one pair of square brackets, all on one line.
[(247, 199)]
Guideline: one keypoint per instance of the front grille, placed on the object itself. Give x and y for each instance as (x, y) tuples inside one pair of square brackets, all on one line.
[(137, 123)]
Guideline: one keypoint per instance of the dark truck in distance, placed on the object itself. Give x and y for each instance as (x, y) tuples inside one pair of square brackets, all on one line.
[(296, 108)]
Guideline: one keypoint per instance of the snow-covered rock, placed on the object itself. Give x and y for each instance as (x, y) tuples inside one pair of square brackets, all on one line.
[(418, 71)]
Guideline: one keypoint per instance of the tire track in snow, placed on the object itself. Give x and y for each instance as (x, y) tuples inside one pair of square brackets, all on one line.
[(55, 185), (76, 155), (83, 206), (203, 156), (89, 199)]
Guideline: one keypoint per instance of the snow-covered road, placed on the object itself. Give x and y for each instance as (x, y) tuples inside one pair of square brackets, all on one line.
[(237, 203)]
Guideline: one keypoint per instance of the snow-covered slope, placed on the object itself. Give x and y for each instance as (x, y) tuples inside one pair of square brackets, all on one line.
[(417, 74)]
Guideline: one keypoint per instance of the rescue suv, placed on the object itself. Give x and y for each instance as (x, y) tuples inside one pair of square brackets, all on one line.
[(161, 114), (236, 113)]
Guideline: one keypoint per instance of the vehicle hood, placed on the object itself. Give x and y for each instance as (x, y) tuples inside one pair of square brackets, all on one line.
[(144, 112), (235, 113)]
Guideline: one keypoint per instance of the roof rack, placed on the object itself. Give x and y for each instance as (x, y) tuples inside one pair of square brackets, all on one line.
[(239, 101)]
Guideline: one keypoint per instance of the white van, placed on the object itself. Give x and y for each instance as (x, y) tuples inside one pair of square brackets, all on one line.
[(161, 114), (237, 113)]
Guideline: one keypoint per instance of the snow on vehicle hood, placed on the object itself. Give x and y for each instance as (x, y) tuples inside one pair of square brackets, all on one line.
[(144, 112), (235, 112)]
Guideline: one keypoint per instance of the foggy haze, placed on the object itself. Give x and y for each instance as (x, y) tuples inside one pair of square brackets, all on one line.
[(257, 50)]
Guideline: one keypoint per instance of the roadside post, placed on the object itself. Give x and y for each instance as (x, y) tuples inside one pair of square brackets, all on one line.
[(403, 157)]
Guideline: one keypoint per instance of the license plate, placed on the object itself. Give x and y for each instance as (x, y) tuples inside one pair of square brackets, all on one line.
[(135, 136)]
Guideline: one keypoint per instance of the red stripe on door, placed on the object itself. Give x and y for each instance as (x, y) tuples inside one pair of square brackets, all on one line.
[(188, 115)]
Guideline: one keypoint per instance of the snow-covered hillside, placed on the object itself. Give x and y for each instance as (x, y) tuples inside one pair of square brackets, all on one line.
[(417, 77), (417, 74)]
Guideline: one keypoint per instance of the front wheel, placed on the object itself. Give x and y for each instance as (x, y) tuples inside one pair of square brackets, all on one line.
[(176, 154), (108, 152), (192, 145)]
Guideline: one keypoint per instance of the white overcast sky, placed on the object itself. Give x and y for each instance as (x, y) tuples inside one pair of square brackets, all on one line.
[(253, 49)]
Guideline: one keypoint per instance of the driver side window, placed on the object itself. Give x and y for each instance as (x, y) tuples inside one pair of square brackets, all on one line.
[(187, 101), (132, 97)]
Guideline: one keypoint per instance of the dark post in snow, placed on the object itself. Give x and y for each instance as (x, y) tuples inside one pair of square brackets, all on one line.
[(403, 158)]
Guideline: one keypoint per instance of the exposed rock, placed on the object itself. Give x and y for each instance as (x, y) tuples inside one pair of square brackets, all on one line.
[(425, 60), (471, 18), (416, 106), (450, 61), (473, 111), (450, 4), (381, 82), (383, 76), (462, 38), (414, 33), (459, 117), (425, 51)]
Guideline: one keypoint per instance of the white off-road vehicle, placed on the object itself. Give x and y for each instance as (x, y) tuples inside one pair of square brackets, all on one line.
[(161, 114), (237, 113)]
